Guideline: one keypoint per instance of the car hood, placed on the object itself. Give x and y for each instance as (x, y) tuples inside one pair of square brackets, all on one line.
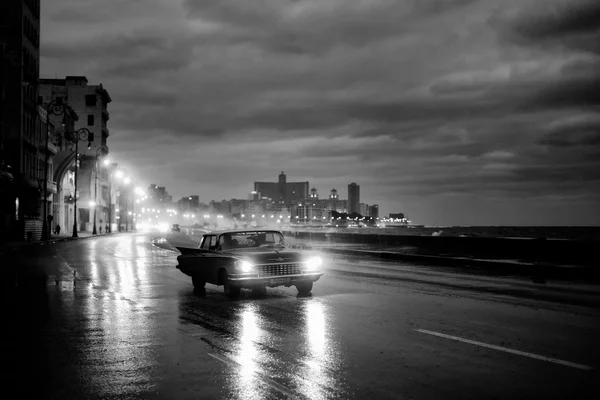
[(268, 256)]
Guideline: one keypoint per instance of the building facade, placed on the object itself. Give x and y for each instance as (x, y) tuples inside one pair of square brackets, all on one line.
[(282, 191), (87, 106), (22, 148), (353, 198), (374, 211)]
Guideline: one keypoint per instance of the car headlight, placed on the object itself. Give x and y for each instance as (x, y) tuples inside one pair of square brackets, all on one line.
[(243, 266), (314, 262)]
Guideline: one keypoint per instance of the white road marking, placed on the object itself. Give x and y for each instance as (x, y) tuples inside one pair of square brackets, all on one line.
[(280, 388), (507, 350)]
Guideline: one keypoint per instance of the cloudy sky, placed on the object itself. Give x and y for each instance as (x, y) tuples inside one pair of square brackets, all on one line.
[(469, 112)]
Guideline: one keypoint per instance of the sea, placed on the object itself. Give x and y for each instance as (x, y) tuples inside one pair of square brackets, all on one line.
[(513, 232)]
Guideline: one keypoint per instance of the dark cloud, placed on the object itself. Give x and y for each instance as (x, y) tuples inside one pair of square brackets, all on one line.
[(548, 21), (569, 92), (578, 132), (148, 96), (574, 24), (308, 27), (417, 101), (127, 55)]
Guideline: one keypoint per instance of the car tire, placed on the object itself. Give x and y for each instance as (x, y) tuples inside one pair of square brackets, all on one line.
[(304, 287), (230, 290), (198, 281)]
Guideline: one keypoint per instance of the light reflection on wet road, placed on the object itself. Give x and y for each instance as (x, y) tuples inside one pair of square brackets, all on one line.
[(115, 319)]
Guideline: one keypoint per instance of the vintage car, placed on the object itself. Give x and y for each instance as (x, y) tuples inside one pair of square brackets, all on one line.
[(252, 259), (175, 228)]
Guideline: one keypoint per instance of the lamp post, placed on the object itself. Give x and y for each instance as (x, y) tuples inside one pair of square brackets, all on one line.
[(80, 134), (100, 150), (126, 182), (109, 226), (55, 107), (139, 192)]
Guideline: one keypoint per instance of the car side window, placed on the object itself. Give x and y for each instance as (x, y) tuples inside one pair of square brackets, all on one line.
[(213, 243), (205, 243)]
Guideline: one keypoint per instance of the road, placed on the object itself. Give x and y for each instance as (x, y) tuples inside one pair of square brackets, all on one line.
[(112, 318)]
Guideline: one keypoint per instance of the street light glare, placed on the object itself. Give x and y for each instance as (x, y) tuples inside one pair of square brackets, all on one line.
[(106, 161), (126, 181), (119, 174)]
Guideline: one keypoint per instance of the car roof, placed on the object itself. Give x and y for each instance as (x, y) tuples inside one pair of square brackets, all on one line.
[(221, 232)]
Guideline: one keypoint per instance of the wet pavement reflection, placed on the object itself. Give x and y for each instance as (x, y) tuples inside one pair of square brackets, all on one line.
[(112, 318), (276, 345), (119, 313)]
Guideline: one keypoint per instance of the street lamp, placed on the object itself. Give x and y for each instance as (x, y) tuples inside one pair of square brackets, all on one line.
[(118, 174), (126, 181), (55, 107), (100, 150), (80, 134)]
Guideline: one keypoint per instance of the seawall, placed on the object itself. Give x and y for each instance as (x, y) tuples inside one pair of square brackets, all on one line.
[(565, 252)]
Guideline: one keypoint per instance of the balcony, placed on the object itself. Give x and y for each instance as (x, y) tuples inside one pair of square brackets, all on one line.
[(52, 148), (105, 115)]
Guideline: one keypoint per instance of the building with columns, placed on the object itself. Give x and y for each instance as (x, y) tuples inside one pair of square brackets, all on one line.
[(85, 107)]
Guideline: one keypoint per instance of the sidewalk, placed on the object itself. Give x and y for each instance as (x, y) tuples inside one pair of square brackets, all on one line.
[(11, 246)]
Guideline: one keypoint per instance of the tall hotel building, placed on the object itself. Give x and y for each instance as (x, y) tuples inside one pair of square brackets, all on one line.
[(282, 191), (353, 198)]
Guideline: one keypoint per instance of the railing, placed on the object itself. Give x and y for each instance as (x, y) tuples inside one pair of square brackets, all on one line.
[(51, 147)]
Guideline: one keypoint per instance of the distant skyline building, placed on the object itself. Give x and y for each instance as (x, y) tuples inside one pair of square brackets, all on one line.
[(188, 203), (353, 198), (374, 211), (282, 191), (159, 194)]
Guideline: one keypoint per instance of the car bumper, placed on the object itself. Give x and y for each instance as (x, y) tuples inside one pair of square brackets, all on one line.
[(275, 280)]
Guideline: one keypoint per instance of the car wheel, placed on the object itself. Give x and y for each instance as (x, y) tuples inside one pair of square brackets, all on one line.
[(198, 281), (230, 290), (304, 287)]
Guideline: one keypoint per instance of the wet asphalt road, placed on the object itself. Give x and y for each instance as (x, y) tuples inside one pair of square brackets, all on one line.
[(112, 318)]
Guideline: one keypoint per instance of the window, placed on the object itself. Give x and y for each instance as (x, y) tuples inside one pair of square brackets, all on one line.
[(209, 243), (90, 100), (91, 120), (205, 241)]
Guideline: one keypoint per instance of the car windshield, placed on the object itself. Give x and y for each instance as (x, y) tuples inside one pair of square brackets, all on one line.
[(254, 239)]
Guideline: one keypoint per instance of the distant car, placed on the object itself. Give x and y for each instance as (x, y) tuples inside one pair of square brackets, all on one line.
[(175, 228), (252, 259)]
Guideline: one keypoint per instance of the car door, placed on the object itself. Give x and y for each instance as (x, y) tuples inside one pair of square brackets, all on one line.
[(211, 259)]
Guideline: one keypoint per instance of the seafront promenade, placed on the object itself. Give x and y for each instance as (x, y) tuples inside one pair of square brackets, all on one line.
[(10, 246)]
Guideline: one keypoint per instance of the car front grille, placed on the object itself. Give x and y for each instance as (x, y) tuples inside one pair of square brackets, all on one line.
[(278, 269)]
